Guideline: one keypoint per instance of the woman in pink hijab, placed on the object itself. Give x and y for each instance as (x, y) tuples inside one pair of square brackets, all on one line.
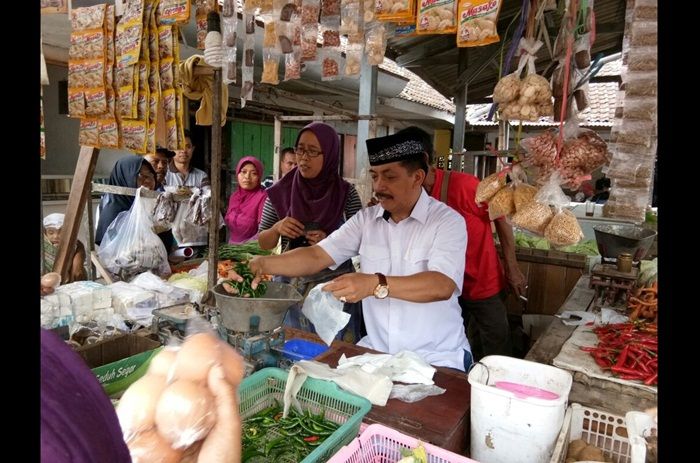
[(245, 205)]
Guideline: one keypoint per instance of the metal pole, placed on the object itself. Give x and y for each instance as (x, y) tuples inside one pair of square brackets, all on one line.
[(215, 180), (365, 128), (460, 120)]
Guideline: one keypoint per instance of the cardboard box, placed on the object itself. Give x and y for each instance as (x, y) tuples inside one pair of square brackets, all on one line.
[(119, 361)]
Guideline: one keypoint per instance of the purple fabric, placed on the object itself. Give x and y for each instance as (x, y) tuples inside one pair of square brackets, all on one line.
[(245, 207), (320, 199), (78, 421)]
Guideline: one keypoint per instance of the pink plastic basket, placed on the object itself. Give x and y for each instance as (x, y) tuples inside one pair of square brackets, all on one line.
[(379, 444)]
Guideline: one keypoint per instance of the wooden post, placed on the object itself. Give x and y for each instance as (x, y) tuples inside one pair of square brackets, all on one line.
[(215, 179), (278, 148), (91, 236), (74, 211)]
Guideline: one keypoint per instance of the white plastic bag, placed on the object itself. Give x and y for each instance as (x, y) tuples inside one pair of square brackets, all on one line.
[(130, 246), (325, 312)]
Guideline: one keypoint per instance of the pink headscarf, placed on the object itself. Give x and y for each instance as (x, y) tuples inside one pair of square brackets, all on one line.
[(245, 207)]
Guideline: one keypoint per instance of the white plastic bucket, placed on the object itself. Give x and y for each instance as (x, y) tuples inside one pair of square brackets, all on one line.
[(507, 429)]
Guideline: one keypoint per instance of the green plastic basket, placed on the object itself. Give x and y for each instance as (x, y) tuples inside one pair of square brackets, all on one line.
[(260, 390)]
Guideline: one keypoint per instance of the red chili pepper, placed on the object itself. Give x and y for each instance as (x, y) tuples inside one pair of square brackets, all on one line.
[(651, 379), (623, 356), (311, 439)]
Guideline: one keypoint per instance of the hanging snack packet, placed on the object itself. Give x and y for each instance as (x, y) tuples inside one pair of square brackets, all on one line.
[(172, 11), (292, 64), (330, 67), (375, 43), (271, 63), (309, 42), (350, 15), (330, 13), (89, 133), (436, 17), (395, 10), (76, 102), (86, 18), (353, 60), (477, 22)]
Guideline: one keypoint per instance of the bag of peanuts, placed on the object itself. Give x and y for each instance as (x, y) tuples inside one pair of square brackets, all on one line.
[(502, 204), (522, 192), (489, 186), (563, 229), (534, 217)]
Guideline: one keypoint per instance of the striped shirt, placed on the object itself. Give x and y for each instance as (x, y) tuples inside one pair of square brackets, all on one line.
[(269, 216)]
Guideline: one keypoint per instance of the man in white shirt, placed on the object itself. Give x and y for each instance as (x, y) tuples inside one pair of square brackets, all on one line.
[(179, 171), (411, 250)]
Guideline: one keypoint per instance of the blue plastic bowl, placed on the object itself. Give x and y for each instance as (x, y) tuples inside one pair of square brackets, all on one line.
[(299, 349)]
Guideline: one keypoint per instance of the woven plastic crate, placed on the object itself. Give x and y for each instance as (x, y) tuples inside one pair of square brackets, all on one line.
[(605, 430), (379, 444), (260, 390)]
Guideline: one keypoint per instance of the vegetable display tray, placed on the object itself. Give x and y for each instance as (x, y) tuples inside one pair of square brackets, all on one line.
[(261, 389)]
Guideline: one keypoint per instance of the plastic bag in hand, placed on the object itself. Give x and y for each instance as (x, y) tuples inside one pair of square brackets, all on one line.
[(325, 312), (130, 246)]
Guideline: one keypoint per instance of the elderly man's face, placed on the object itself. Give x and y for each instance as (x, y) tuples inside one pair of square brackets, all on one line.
[(395, 187), (159, 161)]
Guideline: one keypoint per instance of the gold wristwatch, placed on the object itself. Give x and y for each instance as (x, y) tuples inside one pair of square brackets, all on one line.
[(382, 289)]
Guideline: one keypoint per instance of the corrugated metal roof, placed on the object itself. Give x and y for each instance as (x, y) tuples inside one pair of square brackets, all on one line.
[(600, 111), (613, 68), (417, 90)]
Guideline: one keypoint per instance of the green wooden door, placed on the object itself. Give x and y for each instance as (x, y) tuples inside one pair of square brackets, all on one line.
[(251, 139)]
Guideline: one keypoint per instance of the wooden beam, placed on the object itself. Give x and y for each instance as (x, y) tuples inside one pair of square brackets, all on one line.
[(215, 180), (80, 188), (276, 92), (443, 60), (467, 75), (124, 190), (430, 47)]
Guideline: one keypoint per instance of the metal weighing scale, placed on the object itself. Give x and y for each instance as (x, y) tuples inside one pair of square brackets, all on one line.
[(170, 322), (612, 286), (254, 325)]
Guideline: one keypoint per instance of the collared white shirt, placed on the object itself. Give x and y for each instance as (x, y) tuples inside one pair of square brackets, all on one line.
[(432, 238), (195, 178)]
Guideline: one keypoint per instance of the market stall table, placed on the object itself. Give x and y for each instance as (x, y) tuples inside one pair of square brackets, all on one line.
[(587, 390), (441, 420)]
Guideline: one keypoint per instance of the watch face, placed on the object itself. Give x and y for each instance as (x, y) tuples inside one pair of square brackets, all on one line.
[(381, 292)]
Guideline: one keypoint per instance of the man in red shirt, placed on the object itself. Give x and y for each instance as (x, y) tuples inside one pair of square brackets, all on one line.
[(483, 293)]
